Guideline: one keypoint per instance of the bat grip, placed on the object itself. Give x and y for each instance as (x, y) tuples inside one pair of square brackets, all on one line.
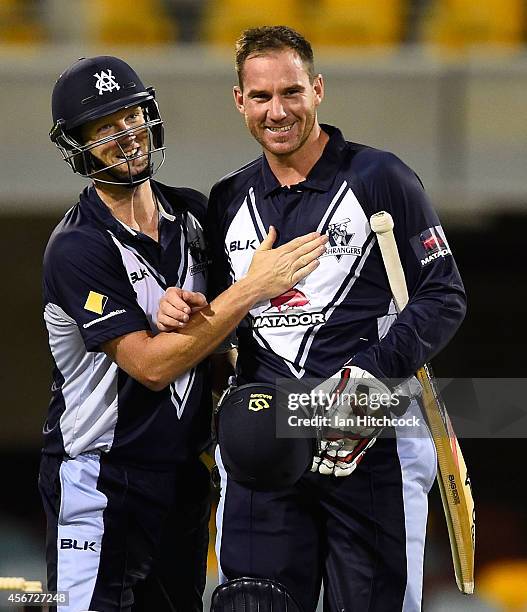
[(381, 222)]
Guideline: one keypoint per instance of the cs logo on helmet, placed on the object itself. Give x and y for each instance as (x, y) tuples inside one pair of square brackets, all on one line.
[(259, 401), (106, 81)]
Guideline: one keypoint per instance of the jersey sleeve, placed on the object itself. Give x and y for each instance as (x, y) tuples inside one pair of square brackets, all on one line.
[(437, 301), (84, 277)]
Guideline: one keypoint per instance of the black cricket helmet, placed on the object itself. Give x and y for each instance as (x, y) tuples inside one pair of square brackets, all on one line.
[(251, 452), (95, 87)]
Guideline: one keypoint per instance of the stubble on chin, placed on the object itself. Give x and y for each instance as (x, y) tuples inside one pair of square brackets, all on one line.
[(281, 151)]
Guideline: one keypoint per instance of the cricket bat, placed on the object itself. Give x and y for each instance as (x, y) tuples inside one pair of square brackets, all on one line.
[(452, 475)]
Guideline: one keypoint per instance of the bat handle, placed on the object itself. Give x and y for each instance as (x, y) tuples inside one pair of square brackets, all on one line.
[(381, 222)]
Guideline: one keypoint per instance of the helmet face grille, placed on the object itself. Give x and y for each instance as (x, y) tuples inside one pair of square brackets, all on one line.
[(79, 157)]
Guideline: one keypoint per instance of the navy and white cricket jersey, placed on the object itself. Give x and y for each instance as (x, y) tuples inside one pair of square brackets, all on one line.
[(344, 309), (363, 535), (102, 280)]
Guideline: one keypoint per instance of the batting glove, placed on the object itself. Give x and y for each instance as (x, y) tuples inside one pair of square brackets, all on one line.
[(350, 402), (340, 457), (349, 394)]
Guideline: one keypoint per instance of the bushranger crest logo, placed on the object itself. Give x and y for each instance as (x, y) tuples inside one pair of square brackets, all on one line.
[(277, 314), (340, 236)]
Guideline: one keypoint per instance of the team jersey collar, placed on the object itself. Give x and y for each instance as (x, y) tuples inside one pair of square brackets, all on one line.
[(321, 175), (92, 204)]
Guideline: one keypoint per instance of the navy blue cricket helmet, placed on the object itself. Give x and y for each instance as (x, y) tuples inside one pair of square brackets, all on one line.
[(95, 87), (251, 452)]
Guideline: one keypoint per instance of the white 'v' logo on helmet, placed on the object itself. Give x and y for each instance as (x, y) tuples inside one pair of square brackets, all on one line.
[(106, 82)]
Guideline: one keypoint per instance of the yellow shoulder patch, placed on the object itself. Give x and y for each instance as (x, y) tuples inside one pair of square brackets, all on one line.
[(95, 302)]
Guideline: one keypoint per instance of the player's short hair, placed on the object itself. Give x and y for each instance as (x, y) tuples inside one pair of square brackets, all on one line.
[(257, 41)]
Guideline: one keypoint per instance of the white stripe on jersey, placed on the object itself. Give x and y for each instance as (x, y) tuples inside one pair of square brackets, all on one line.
[(183, 264), (148, 289), (89, 389), (149, 292), (339, 301), (178, 400), (241, 232), (384, 323), (330, 207), (142, 261), (259, 222)]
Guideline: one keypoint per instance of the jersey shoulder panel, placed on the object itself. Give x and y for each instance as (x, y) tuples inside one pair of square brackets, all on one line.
[(84, 276), (76, 245), (237, 180), (185, 198), (373, 165), (387, 183)]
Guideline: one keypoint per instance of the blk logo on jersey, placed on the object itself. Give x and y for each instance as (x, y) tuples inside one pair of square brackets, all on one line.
[(69, 544), (106, 82), (430, 245), (291, 299), (199, 255), (340, 236), (243, 245), (138, 276)]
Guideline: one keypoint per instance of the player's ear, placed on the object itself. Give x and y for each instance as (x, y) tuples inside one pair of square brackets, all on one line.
[(318, 88), (238, 98)]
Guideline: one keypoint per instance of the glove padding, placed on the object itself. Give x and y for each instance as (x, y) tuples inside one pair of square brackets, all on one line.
[(344, 442), (340, 457), (350, 393)]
